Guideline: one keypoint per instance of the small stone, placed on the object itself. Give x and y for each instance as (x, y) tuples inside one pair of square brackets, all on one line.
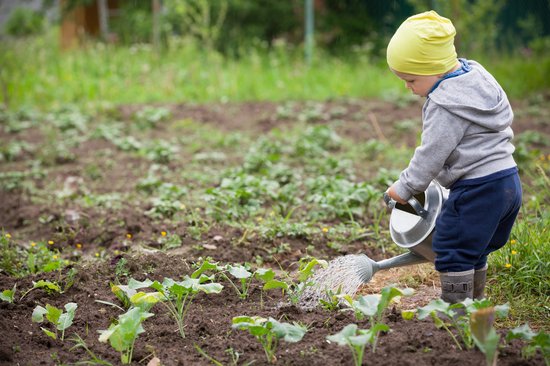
[(217, 238), (209, 246)]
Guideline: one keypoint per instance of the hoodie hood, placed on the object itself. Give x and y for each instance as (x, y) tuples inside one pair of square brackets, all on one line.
[(483, 103)]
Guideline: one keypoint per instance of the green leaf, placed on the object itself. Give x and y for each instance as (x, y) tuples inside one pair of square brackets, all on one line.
[(522, 332), (136, 285), (53, 314), (8, 295), (66, 319), (408, 314), (367, 304), (49, 333), (38, 314), (274, 284), (206, 266), (265, 274), (47, 285), (289, 332), (342, 337), (146, 301), (211, 288), (239, 271), (434, 306)]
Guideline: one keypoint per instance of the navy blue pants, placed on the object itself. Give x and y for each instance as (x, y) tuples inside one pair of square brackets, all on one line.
[(476, 220)]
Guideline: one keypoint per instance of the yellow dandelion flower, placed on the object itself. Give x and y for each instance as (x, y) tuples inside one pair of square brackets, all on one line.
[(163, 233), (54, 257), (97, 254), (129, 236), (66, 261), (507, 265), (117, 252), (8, 236), (325, 229), (33, 244), (514, 252), (51, 242), (259, 219), (513, 241), (78, 246)]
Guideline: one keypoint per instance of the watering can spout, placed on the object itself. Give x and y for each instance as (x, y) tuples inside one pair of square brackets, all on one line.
[(366, 267)]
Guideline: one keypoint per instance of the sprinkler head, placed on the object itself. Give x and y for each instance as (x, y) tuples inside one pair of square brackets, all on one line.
[(366, 267)]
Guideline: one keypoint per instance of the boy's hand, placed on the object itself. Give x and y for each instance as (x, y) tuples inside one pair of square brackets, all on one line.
[(395, 196)]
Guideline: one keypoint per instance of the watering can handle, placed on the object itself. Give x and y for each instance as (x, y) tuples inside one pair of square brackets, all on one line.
[(413, 202)]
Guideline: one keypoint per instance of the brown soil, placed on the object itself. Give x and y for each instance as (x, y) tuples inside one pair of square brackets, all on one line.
[(208, 325)]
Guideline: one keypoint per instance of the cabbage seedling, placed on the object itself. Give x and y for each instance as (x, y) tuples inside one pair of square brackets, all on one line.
[(357, 339), (540, 341), (8, 295), (122, 335), (178, 295), (373, 307), (241, 273), (484, 335), (269, 332), (55, 316), (440, 311)]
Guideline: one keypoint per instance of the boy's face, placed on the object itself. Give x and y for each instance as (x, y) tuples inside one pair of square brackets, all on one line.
[(418, 84)]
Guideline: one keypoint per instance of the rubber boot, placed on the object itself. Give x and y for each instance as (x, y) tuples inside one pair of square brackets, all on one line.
[(480, 276), (457, 286)]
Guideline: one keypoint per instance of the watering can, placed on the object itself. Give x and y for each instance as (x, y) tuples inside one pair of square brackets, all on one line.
[(411, 227)]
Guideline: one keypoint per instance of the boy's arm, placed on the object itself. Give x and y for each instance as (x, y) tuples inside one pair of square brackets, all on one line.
[(441, 133)]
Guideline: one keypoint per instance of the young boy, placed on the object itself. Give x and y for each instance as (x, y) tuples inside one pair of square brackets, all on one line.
[(465, 146)]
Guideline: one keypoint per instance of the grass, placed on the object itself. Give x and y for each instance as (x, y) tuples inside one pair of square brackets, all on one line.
[(35, 72)]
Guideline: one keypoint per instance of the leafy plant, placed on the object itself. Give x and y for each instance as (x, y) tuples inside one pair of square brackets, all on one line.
[(356, 339), (535, 341), (8, 295), (373, 307), (48, 286), (94, 359), (61, 320), (242, 274), (124, 333), (484, 335), (269, 331), (457, 316), (129, 296), (294, 288), (178, 295)]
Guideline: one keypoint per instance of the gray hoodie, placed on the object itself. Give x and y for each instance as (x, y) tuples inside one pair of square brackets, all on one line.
[(466, 133)]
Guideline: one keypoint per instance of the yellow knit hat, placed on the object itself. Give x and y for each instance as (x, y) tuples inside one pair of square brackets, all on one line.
[(423, 45)]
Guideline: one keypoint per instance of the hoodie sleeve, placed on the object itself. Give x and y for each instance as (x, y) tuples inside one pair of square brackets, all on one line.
[(441, 133)]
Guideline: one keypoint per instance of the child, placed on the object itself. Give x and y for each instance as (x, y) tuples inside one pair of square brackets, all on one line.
[(465, 146)]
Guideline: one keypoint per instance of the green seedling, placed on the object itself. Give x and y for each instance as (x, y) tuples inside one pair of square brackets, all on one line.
[(48, 286), (357, 339), (457, 316), (124, 333), (332, 301), (8, 295), (241, 273), (178, 295), (373, 307), (129, 296), (484, 335), (535, 341), (61, 320), (94, 359), (294, 288), (269, 331)]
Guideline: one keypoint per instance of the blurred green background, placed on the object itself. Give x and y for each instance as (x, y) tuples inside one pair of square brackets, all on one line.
[(233, 50)]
